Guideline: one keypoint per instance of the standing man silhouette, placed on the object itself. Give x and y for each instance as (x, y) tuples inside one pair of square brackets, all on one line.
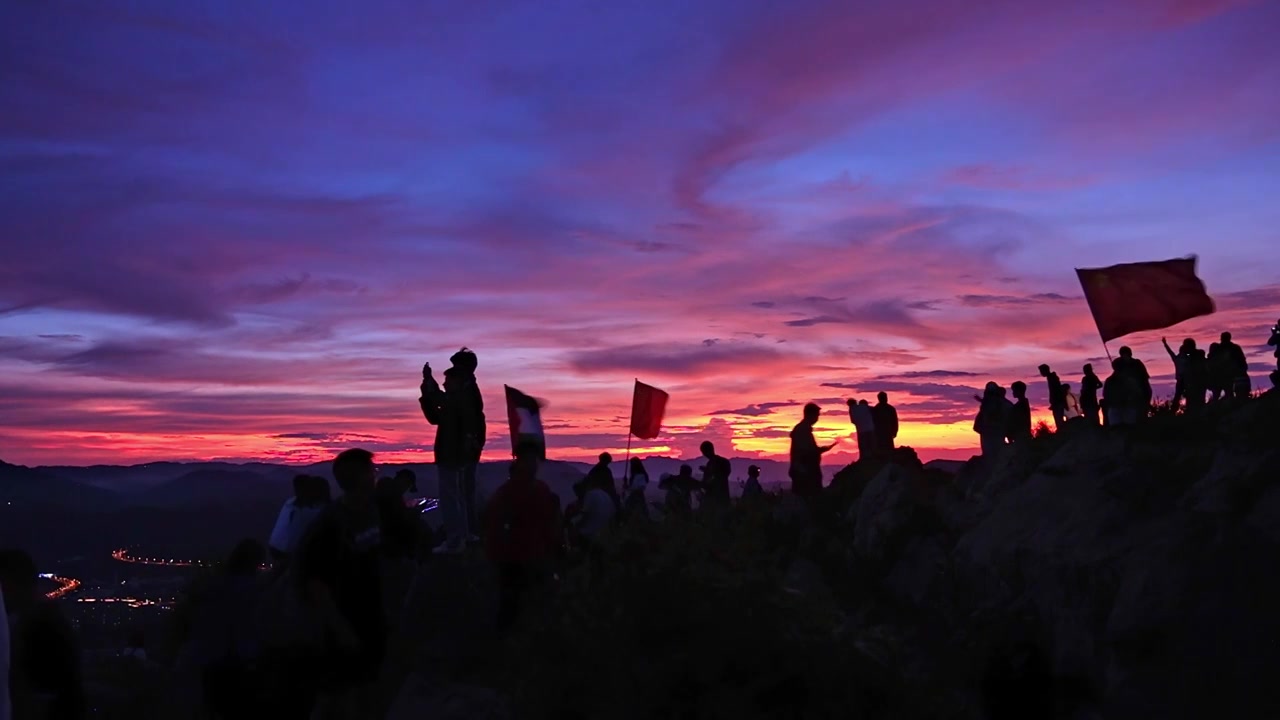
[(885, 417), (457, 411)]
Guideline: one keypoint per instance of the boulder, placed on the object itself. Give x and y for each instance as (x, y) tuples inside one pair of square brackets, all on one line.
[(884, 511)]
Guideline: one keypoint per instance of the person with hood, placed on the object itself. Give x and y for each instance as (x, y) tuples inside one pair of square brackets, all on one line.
[(992, 422), (521, 533), (1090, 384), (457, 411), (864, 424), (806, 455), (1180, 360), (885, 418)]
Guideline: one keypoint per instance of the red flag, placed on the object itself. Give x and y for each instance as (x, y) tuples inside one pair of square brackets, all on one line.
[(647, 407), (1144, 296), (524, 416)]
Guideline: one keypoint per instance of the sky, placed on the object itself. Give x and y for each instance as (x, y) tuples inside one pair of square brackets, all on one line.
[(237, 230)]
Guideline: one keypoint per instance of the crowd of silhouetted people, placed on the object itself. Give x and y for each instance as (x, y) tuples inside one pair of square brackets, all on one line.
[(300, 627), (1124, 397)]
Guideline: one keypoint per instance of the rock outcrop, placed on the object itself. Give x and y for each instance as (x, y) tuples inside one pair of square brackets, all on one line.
[(1143, 565)]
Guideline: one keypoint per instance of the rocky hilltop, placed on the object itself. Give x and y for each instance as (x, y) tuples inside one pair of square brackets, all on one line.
[(1141, 567), (1086, 574)]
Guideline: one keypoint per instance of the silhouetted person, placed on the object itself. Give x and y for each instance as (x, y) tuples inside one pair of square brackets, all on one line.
[(1196, 380), (296, 516), (464, 364), (1137, 370), (1274, 341), (399, 524), (715, 477), (1090, 384), (408, 479), (601, 476), (806, 455), (635, 505), (1180, 360), (679, 489), (1057, 396), (1019, 414), (1123, 395), (1219, 377), (1234, 362), (753, 488), (864, 424), (45, 675), (885, 418), (338, 566), (992, 422), (225, 644), (1071, 402), (521, 533), (599, 508), (457, 411)]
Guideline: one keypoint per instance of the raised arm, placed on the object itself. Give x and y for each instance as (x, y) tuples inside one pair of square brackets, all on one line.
[(1172, 354), (430, 397)]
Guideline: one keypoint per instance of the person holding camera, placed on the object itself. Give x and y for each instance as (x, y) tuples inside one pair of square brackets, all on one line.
[(457, 411)]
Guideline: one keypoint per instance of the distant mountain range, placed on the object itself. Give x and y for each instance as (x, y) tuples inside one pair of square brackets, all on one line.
[(203, 484), (172, 485)]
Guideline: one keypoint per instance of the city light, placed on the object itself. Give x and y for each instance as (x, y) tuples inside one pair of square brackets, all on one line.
[(123, 556), (66, 586)]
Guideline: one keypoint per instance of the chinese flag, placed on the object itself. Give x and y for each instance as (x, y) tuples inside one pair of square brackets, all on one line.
[(1144, 296), (647, 407), (524, 416)]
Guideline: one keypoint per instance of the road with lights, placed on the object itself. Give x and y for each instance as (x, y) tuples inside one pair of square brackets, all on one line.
[(123, 556), (66, 585)]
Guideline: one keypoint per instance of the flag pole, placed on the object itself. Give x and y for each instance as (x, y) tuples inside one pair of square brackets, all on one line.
[(626, 464)]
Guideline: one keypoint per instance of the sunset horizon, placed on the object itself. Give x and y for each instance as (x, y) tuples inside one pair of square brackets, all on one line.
[(237, 235)]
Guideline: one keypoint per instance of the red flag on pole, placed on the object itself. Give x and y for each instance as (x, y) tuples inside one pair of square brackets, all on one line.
[(524, 416), (648, 404), (1139, 296)]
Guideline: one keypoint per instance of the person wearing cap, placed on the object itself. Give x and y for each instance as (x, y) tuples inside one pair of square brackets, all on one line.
[(457, 411), (752, 488)]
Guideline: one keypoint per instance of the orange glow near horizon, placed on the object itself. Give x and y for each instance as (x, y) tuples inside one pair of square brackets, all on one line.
[(790, 216)]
